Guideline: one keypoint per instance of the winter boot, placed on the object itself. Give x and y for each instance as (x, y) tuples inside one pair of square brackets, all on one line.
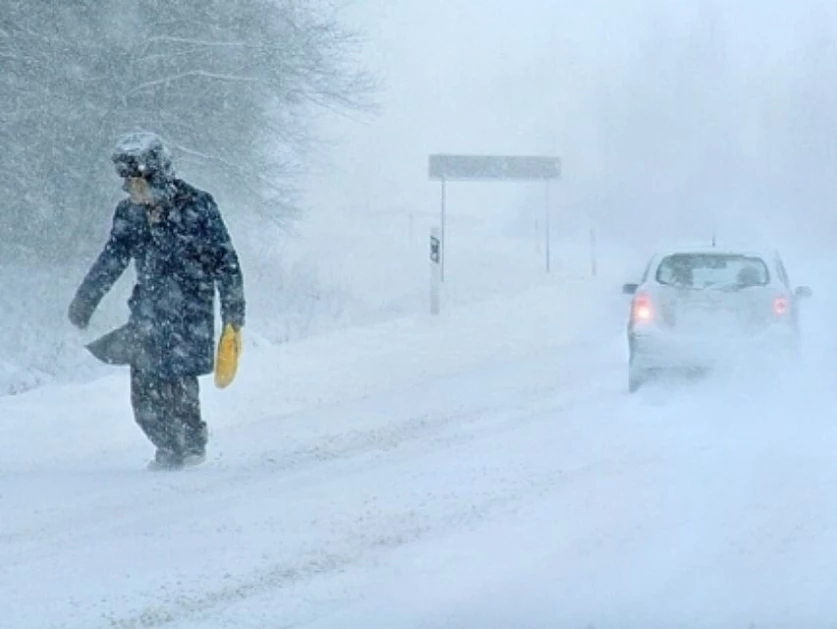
[(196, 437), (165, 459), (193, 456)]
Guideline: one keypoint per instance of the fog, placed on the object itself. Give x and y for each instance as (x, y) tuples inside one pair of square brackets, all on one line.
[(375, 463), (672, 123), (670, 119)]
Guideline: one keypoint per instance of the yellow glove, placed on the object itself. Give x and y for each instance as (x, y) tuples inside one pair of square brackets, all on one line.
[(229, 350)]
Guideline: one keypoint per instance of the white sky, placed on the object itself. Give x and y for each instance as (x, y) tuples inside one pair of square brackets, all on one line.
[(667, 115)]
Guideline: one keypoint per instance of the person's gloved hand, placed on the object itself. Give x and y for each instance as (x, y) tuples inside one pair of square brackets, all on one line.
[(79, 313), (229, 351)]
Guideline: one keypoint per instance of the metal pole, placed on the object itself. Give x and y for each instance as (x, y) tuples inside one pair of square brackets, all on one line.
[(546, 228), (594, 267), (435, 268), (444, 243), (537, 234)]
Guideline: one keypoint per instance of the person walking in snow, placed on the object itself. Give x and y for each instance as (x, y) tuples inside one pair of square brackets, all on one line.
[(182, 251)]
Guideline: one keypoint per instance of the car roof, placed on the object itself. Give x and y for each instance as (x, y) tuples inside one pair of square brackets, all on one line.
[(766, 253)]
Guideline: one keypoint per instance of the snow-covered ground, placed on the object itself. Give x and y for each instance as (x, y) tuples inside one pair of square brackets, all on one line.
[(374, 466), (483, 468)]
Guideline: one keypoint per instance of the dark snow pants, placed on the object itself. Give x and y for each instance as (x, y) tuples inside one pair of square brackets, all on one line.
[(168, 411)]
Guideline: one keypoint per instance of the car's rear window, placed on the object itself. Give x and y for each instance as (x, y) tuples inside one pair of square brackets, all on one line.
[(704, 270)]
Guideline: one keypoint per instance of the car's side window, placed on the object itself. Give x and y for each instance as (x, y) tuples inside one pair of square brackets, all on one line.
[(783, 274)]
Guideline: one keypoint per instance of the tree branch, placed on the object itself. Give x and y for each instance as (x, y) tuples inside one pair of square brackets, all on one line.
[(194, 73)]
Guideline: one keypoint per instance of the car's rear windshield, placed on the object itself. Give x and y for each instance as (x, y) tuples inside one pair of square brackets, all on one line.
[(705, 270)]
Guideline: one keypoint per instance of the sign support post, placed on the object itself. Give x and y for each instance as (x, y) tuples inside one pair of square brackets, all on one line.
[(436, 257), (446, 168), (442, 235), (594, 265), (546, 231)]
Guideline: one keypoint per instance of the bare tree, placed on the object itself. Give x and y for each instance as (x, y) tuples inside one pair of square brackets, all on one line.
[(230, 84)]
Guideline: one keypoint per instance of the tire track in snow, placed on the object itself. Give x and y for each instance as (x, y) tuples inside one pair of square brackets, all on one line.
[(303, 467), (298, 468), (365, 551)]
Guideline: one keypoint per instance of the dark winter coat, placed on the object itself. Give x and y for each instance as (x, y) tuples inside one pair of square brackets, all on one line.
[(181, 252)]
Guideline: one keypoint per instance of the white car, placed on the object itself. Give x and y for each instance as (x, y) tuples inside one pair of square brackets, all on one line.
[(696, 307)]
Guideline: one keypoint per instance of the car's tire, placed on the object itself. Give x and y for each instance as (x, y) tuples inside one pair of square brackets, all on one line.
[(636, 378)]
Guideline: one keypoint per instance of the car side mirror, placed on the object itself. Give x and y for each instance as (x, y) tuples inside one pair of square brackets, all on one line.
[(803, 291), (629, 289)]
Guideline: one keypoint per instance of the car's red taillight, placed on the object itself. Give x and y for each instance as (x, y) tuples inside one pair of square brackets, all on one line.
[(781, 306), (643, 309)]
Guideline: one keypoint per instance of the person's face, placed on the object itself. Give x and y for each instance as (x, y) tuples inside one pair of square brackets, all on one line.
[(139, 189)]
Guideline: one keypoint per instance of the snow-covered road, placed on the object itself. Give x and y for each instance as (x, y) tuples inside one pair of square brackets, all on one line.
[(485, 469)]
